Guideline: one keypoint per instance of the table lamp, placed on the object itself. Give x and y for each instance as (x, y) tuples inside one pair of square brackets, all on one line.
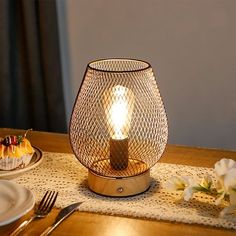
[(118, 127)]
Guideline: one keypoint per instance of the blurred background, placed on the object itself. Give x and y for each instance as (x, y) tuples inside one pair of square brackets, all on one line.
[(190, 44)]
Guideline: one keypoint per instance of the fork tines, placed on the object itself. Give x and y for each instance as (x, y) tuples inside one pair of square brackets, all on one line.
[(47, 202)]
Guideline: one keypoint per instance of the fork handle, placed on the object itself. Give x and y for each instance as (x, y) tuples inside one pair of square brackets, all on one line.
[(22, 226)]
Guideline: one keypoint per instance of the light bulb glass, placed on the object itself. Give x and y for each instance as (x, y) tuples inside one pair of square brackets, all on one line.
[(118, 104)]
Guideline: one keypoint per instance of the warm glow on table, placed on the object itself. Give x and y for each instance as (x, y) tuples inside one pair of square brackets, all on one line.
[(88, 224)]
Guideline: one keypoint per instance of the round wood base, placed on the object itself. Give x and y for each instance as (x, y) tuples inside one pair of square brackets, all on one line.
[(119, 187)]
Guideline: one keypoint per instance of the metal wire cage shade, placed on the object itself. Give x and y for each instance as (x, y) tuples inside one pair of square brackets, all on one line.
[(118, 125)]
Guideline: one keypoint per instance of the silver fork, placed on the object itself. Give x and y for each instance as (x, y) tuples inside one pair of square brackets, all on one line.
[(44, 207)]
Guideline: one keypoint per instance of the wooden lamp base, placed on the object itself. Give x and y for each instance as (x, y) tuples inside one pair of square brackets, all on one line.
[(119, 187)]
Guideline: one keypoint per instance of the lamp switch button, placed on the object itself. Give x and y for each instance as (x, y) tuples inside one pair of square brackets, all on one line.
[(120, 189)]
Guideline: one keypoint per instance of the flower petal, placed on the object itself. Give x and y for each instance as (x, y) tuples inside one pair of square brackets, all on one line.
[(223, 166), (220, 199), (175, 183), (188, 193), (230, 179), (206, 182)]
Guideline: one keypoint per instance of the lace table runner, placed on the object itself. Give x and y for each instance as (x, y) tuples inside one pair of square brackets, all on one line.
[(63, 173)]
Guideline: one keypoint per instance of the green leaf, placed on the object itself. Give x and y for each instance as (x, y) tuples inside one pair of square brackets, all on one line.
[(19, 139)]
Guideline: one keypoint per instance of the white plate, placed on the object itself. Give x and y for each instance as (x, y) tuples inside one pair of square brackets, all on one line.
[(35, 161), (15, 201)]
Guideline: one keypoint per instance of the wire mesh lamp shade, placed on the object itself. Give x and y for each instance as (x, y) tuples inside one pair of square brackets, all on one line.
[(118, 127)]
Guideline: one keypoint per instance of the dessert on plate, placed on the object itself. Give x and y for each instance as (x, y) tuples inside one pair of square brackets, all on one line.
[(15, 152)]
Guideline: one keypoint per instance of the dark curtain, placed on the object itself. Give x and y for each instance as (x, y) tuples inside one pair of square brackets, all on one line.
[(31, 93)]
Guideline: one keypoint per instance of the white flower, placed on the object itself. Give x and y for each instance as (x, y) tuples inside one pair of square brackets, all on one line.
[(230, 180), (225, 170), (206, 182), (220, 199), (188, 193), (223, 166), (230, 185), (190, 189), (176, 183), (226, 186), (182, 183)]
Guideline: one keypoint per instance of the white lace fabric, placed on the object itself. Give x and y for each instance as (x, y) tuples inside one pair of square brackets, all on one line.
[(64, 173)]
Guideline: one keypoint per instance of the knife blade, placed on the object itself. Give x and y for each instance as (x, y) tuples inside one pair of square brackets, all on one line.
[(63, 214)]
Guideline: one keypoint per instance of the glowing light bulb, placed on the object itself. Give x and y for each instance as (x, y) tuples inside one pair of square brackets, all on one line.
[(119, 103)]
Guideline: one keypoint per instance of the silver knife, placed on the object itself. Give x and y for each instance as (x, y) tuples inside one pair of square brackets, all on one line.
[(63, 214)]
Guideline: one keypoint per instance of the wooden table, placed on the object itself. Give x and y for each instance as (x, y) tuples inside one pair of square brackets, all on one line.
[(90, 224)]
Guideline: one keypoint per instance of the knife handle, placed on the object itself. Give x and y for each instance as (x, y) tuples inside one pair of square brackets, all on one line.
[(51, 228)]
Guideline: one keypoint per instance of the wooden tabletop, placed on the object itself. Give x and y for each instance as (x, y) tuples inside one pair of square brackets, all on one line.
[(89, 224)]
